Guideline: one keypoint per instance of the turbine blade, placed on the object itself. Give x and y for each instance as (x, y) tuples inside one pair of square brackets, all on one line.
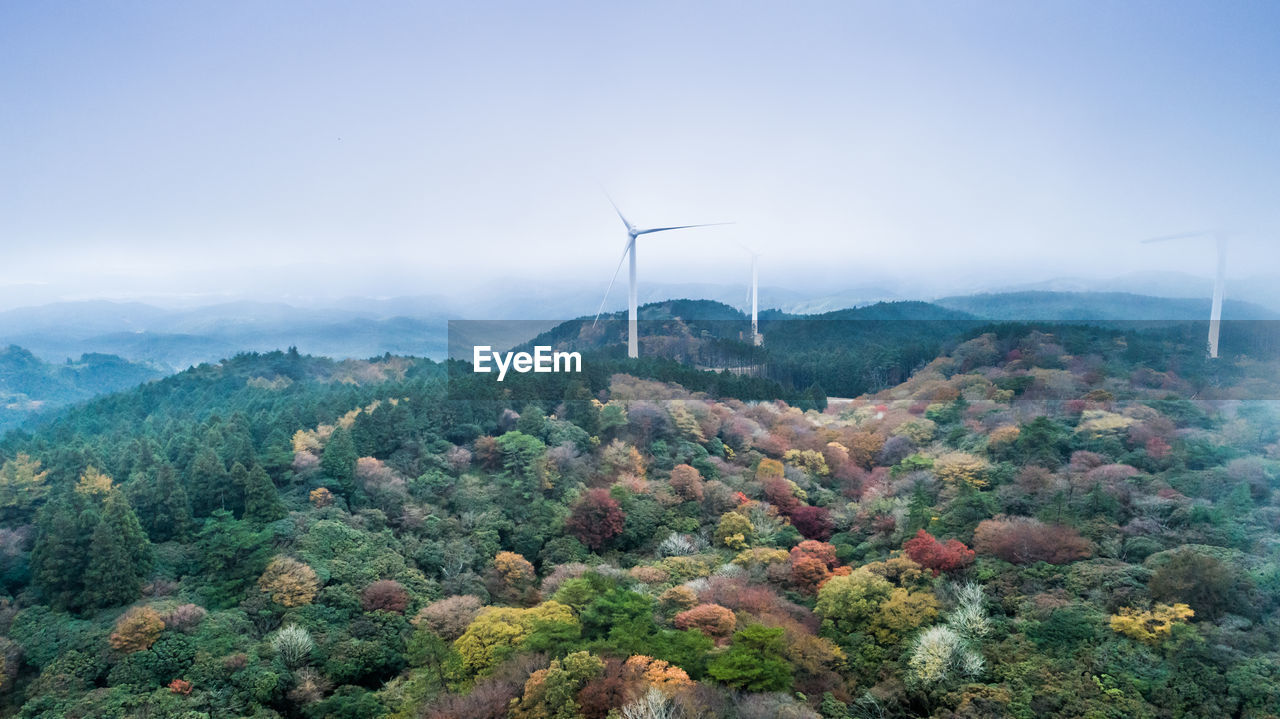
[(679, 227), (625, 249), (615, 207), (1178, 236)]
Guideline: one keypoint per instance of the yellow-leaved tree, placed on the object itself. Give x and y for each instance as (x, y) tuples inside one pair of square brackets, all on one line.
[(497, 631), (21, 486), (962, 468), (290, 583), (136, 630), (1150, 627), (94, 484)]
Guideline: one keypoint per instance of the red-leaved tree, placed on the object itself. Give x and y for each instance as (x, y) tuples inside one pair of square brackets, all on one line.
[(596, 519), (1023, 540), (813, 522), (925, 550), (386, 595), (712, 620)]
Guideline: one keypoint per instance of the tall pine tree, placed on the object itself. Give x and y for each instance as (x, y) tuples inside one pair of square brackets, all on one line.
[(207, 477), (119, 556), (171, 510), (64, 530), (339, 461), (261, 500)]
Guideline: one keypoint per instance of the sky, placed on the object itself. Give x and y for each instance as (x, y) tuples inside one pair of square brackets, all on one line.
[(327, 149)]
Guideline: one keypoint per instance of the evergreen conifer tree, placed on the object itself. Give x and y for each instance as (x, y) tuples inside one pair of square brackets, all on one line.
[(261, 500), (339, 461), (64, 529), (119, 556)]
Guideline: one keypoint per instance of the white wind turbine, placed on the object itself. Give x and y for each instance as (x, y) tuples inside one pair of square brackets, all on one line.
[(1219, 283), (753, 295), (633, 333)]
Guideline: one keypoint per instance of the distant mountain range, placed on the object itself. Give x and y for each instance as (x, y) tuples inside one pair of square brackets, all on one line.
[(363, 327), (29, 385), (1057, 306)]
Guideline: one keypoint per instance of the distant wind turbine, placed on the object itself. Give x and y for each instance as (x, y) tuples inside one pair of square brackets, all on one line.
[(1219, 283), (753, 295), (629, 249)]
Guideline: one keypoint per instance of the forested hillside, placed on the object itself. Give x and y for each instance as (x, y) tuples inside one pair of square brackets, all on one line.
[(1048, 521), (29, 385)]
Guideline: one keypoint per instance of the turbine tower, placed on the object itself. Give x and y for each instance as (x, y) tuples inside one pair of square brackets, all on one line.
[(753, 295), (1219, 282), (629, 250)]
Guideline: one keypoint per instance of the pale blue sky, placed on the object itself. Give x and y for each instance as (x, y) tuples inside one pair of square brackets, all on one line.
[(174, 147)]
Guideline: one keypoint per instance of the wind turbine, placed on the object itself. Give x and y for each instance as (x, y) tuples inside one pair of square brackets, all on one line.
[(1219, 283), (753, 295), (629, 250)]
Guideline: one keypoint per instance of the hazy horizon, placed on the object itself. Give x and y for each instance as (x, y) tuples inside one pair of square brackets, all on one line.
[(300, 150)]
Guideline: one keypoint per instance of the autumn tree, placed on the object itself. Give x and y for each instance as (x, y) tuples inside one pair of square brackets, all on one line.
[(901, 613), (551, 693), (94, 484), (808, 573), (850, 602), (962, 468), (712, 620), (449, 617), (928, 552), (686, 482), (864, 447), (320, 498), (811, 549), (1150, 626), (136, 630), (1023, 540), (813, 522), (22, 486), (596, 519), (385, 595), (497, 631), (769, 469), (734, 531), (288, 582), (810, 563), (513, 579), (119, 555)]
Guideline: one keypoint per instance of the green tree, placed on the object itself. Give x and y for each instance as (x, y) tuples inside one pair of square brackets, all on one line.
[(232, 556), (161, 503), (208, 481), (755, 661), (850, 602), (64, 530), (522, 456), (261, 500), (119, 555), (338, 462)]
